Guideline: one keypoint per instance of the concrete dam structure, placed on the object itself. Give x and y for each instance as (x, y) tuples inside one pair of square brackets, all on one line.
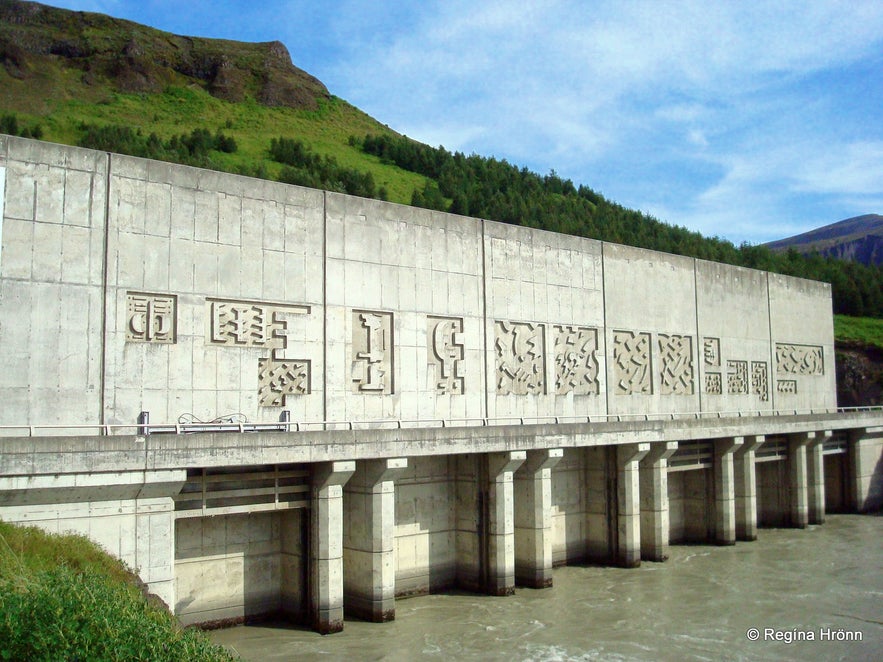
[(270, 398)]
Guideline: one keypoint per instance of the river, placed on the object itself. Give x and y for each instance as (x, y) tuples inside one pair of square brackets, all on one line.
[(810, 594)]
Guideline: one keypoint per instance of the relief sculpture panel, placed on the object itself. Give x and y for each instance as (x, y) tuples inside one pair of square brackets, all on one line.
[(799, 359), (447, 351), (676, 356), (372, 366), (278, 379), (759, 380), (737, 377), (251, 324), (576, 360), (151, 317), (631, 363), (262, 325), (520, 350)]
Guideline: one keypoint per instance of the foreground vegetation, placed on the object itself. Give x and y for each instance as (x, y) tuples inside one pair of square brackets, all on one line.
[(63, 598)]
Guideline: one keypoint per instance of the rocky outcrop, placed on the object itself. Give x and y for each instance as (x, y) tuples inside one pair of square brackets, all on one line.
[(135, 58), (859, 376)]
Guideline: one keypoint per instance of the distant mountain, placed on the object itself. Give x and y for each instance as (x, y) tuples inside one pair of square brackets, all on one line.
[(859, 239)]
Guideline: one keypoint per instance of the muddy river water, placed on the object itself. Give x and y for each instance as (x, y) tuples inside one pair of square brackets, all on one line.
[(814, 594)]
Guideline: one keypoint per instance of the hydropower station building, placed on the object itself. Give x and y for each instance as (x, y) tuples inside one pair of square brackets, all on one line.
[(271, 398)]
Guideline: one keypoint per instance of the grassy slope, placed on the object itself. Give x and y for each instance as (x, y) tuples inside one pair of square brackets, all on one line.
[(60, 102), (62, 597), (862, 331)]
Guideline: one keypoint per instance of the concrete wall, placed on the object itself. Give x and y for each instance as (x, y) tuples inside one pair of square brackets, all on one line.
[(193, 294), (235, 566), (426, 526), (569, 516), (130, 514), (691, 505), (773, 493)]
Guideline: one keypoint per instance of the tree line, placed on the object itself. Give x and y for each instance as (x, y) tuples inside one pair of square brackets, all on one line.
[(496, 190)]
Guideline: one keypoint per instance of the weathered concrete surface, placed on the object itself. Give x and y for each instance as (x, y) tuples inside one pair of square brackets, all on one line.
[(194, 294)]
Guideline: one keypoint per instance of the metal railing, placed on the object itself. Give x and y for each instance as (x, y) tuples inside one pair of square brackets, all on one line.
[(143, 427)]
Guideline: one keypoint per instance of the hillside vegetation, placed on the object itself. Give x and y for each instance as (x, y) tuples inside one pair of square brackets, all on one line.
[(86, 79), (63, 598)]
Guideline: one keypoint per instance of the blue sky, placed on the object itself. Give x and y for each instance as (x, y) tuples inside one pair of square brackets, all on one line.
[(748, 120)]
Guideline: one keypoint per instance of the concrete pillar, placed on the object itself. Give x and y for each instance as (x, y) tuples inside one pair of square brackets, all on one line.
[(745, 487), (815, 470), (326, 544), (533, 518), (797, 479), (369, 539), (500, 531), (725, 490), (654, 501), (628, 504)]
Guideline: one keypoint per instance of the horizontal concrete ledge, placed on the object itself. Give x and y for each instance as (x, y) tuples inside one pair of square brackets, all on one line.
[(25, 456)]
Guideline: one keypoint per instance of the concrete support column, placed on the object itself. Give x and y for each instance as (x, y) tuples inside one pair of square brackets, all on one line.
[(369, 539), (654, 501), (500, 541), (797, 479), (326, 544), (815, 466), (745, 487), (533, 518), (628, 503), (725, 490)]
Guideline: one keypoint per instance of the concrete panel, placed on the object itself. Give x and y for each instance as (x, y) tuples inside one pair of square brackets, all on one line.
[(802, 335), (651, 332), (51, 224), (735, 360), (545, 322), (227, 567), (421, 272)]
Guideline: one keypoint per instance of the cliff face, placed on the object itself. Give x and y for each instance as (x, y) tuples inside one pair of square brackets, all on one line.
[(859, 376), (134, 58)]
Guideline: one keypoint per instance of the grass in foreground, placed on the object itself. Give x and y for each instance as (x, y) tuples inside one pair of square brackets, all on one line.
[(63, 598)]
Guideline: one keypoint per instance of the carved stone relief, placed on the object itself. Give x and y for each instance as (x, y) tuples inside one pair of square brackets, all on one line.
[(372, 366), (151, 317), (676, 356), (737, 377), (759, 380), (576, 360), (713, 383), (446, 351), (278, 379), (251, 324), (256, 324), (786, 386), (799, 359), (520, 349), (631, 363), (711, 352)]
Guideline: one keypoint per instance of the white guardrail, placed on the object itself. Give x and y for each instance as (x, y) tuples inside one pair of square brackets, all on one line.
[(228, 424)]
